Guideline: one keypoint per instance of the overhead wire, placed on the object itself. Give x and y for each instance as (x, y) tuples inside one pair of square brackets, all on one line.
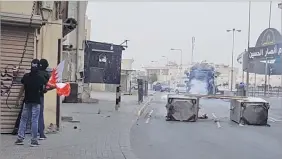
[(23, 54)]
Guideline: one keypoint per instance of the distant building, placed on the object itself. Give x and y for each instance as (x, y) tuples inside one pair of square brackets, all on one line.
[(138, 74), (126, 71), (225, 75), (171, 74), (164, 73), (258, 80)]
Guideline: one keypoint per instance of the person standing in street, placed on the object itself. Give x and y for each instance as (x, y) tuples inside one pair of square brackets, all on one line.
[(46, 75), (33, 85)]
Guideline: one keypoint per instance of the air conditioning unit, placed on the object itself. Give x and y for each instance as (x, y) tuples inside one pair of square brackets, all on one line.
[(47, 5)]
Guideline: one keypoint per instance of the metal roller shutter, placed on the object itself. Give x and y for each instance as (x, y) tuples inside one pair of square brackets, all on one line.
[(13, 40)]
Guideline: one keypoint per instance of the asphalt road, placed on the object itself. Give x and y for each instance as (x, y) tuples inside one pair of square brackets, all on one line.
[(154, 138)]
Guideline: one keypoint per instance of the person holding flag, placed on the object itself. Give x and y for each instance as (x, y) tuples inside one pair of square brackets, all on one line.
[(54, 82), (46, 75), (33, 85)]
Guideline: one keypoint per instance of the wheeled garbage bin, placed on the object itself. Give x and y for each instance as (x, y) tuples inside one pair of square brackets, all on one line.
[(182, 108), (249, 111)]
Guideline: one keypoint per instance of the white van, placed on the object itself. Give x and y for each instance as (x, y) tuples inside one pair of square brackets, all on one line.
[(180, 88)]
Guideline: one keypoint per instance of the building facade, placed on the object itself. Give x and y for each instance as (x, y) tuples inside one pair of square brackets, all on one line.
[(73, 48), (172, 74), (126, 74), (30, 29), (24, 37), (224, 78)]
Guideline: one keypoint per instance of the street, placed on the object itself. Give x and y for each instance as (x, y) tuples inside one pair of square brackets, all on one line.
[(100, 132), (96, 132), (154, 138)]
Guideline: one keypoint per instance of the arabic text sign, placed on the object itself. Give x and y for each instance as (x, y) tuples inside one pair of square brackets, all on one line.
[(270, 52)]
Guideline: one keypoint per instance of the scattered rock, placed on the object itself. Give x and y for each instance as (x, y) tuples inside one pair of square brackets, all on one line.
[(90, 100), (52, 129), (66, 118), (74, 121)]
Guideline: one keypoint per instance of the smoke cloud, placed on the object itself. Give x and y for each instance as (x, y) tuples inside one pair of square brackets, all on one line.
[(198, 87)]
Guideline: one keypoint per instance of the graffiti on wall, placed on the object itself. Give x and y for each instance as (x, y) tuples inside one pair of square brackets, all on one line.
[(9, 77)]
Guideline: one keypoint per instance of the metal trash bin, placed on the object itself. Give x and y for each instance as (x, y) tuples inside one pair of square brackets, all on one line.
[(249, 111), (182, 108)]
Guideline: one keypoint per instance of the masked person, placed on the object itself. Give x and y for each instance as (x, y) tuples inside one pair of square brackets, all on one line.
[(33, 85), (46, 75)]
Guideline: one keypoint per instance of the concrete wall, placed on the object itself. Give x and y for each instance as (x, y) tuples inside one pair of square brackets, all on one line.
[(48, 49), (77, 10), (87, 28), (75, 58), (97, 87), (19, 7)]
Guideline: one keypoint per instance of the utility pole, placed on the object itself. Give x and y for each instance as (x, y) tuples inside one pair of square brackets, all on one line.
[(265, 76), (280, 7), (266, 85), (248, 58), (269, 74), (232, 55), (193, 47)]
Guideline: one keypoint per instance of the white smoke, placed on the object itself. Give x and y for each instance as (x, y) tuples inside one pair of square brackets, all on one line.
[(198, 87)]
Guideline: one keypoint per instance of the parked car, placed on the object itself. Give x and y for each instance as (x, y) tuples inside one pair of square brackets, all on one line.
[(180, 88), (157, 86), (165, 88)]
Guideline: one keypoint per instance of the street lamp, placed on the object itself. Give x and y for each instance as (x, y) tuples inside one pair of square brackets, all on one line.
[(180, 55), (232, 58), (46, 9)]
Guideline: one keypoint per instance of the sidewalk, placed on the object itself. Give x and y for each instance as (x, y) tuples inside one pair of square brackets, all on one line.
[(101, 133)]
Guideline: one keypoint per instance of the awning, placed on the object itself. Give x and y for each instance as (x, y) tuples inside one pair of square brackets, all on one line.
[(20, 19)]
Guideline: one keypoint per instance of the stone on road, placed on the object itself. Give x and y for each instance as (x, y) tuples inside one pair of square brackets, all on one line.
[(160, 139)]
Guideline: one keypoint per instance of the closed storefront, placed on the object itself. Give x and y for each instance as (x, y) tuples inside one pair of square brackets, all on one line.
[(17, 50), (13, 60)]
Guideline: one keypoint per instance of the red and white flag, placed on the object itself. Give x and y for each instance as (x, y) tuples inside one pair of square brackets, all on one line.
[(55, 81)]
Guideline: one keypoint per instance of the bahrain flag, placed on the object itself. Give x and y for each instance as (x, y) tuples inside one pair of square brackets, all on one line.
[(55, 81)]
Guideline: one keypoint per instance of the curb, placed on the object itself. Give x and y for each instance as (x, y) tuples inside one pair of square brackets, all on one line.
[(146, 104)]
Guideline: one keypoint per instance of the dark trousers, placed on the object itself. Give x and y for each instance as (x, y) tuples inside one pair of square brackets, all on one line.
[(41, 125)]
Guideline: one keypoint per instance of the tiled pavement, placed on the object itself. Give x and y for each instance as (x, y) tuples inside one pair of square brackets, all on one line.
[(101, 133)]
